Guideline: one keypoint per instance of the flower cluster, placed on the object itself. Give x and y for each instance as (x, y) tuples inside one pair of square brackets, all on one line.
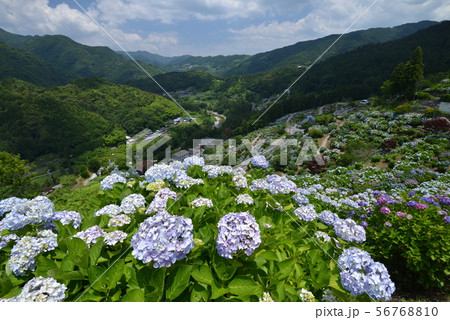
[(280, 184), (240, 181), (155, 186), (193, 161), (306, 213), (119, 221), (266, 297), (130, 204), (40, 289), (323, 236), (244, 198), (328, 217), (260, 161), (66, 217), (28, 248), (300, 199), (348, 230), (307, 296), (199, 202), (90, 235), (360, 274), (109, 181), (7, 238), (237, 231), (160, 172), (7, 205), (112, 238), (111, 210), (163, 239), (159, 202)]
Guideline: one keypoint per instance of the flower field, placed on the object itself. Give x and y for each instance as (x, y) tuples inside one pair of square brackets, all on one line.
[(194, 232)]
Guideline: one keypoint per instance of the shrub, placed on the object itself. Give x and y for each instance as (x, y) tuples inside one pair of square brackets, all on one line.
[(389, 143), (445, 97), (315, 133), (84, 172), (440, 124), (423, 96), (403, 108)]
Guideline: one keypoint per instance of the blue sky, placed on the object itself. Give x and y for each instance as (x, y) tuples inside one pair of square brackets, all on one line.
[(209, 27)]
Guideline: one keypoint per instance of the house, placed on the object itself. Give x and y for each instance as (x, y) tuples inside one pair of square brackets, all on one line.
[(180, 155)]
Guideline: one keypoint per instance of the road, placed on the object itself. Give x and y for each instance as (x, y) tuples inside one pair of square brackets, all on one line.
[(220, 118)]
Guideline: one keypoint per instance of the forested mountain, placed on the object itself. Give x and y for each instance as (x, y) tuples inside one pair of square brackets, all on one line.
[(18, 63), (81, 60), (306, 52), (71, 119), (153, 58)]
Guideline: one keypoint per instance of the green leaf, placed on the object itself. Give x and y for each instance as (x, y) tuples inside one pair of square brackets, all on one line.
[(202, 274), (178, 281), (134, 295), (199, 294), (113, 274), (155, 289), (71, 275), (267, 255), (78, 252), (223, 268), (95, 251), (45, 266), (217, 290), (285, 268), (245, 286)]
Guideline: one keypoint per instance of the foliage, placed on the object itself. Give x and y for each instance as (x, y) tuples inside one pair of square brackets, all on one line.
[(12, 174), (440, 124)]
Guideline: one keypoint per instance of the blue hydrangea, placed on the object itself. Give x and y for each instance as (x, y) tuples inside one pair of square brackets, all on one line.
[(213, 171), (119, 221), (109, 181), (182, 180), (91, 235), (244, 198), (237, 231), (280, 184), (300, 199), (160, 172), (240, 181), (66, 217), (163, 239), (26, 249), (112, 238), (306, 213), (329, 218), (199, 202), (259, 184), (159, 202), (349, 231), (130, 204), (7, 238), (360, 274), (13, 221), (193, 161), (111, 210), (260, 161), (40, 289), (7, 205)]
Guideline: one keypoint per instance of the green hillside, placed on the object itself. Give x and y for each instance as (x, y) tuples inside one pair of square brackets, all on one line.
[(18, 63), (72, 119), (81, 60)]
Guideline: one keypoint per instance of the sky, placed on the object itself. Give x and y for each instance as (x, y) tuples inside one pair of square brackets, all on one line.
[(208, 27)]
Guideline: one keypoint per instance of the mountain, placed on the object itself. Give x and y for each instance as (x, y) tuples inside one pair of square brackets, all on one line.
[(81, 60), (18, 63), (153, 58), (306, 52), (71, 119)]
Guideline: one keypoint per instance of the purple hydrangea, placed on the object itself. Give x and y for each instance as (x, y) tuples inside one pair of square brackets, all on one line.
[(409, 217), (163, 239), (300, 199), (159, 202), (421, 206), (260, 161), (388, 224), (349, 231), (446, 219), (40, 289), (411, 203), (328, 217), (364, 224), (237, 231), (280, 184), (109, 181), (91, 235), (130, 204), (385, 210), (445, 201), (400, 214), (306, 213)]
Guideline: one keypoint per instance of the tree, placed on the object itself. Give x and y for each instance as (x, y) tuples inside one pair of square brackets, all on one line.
[(405, 76), (12, 174)]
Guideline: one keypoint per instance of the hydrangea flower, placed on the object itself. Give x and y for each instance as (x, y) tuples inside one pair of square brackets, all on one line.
[(193, 161), (300, 199), (90, 235), (244, 198), (109, 181), (385, 210), (112, 238), (7, 238), (7, 205), (182, 180), (163, 239), (155, 186), (237, 231), (444, 201), (421, 206), (446, 219), (307, 296), (349, 231), (260, 161), (130, 204), (28, 248), (360, 274), (199, 202), (306, 213), (328, 296), (213, 171), (280, 184), (323, 236), (119, 221), (160, 172), (259, 184), (266, 297), (111, 210), (159, 202), (411, 203), (329, 218), (40, 289), (240, 181), (66, 217), (388, 224)]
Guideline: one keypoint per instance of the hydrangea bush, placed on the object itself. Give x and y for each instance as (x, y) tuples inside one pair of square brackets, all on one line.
[(189, 232)]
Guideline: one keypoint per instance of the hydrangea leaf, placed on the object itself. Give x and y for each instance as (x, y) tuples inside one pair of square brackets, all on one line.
[(134, 295), (245, 286), (78, 252), (178, 281), (95, 251), (202, 274)]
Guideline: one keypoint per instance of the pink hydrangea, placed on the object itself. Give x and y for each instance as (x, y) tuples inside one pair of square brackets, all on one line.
[(385, 210)]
